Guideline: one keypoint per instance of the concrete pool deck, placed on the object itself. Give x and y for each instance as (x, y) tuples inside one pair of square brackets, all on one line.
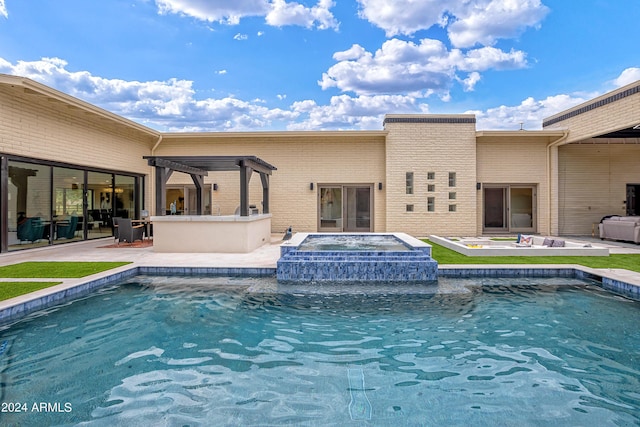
[(261, 259)]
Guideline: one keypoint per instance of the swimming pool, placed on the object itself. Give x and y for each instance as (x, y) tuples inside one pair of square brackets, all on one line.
[(237, 351)]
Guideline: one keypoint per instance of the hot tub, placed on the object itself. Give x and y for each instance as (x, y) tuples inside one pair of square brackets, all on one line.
[(358, 257)]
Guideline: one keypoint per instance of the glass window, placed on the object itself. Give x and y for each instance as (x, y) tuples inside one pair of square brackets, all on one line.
[(68, 218), (124, 191), (452, 195), (452, 208), (431, 204), (330, 208), (431, 175), (452, 179), (99, 204), (29, 205), (409, 208), (409, 183), (431, 188)]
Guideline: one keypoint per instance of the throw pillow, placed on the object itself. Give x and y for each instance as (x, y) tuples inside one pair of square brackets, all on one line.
[(526, 240), (547, 242), (558, 244)]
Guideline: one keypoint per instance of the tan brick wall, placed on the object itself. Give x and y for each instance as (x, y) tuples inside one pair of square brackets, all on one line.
[(592, 183), (619, 114), (40, 127), (431, 147), (509, 160), (301, 159)]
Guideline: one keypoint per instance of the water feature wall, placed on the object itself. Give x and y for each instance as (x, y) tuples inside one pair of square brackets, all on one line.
[(298, 263)]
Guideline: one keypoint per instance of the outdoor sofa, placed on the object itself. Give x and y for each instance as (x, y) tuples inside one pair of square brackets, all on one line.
[(625, 228)]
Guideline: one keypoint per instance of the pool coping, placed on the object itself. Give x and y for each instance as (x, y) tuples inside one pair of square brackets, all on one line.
[(14, 309)]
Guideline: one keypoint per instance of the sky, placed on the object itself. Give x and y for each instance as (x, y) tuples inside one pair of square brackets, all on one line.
[(263, 65)]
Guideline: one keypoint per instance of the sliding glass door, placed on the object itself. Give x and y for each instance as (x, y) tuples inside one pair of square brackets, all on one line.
[(509, 208), (345, 208)]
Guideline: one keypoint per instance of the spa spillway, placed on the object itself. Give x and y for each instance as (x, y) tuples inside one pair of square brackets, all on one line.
[(364, 257)]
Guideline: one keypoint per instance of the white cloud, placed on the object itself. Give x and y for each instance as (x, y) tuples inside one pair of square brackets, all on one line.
[(529, 112), (346, 112), (3, 9), (470, 82), (174, 105), (627, 76), (468, 22), (221, 72), (221, 11), (240, 36), (170, 105), (276, 12), (283, 13), (407, 67), (485, 21)]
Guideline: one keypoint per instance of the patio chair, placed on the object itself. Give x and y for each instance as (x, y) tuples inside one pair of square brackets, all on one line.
[(67, 230), (114, 221), (127, 232), (31, 230)]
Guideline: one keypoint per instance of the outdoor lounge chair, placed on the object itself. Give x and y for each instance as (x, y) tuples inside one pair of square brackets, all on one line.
[(31, 230), (127, 232), (67, 230)]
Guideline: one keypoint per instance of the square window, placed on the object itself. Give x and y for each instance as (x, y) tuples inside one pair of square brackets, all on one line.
[(431, 175), (431, 188), (409, 208), (452, 208), (452, 195)]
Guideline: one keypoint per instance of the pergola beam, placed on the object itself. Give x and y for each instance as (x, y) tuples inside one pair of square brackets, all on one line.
[(198, 166)]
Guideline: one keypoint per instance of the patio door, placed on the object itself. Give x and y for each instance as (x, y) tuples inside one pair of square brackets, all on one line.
[(345, 208), (633, 199), (509, 208)]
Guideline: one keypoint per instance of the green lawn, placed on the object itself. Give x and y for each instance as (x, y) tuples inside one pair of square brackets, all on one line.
[(14, 289), (627, 261), (56, 270)]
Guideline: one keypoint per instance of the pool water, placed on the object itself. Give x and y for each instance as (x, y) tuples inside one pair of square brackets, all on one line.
[(353, 242), (224, 351)]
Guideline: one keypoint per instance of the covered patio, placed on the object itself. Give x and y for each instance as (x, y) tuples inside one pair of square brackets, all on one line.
[(240, 233)]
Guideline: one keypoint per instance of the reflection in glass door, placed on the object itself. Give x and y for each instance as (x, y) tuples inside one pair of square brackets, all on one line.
[(344, 208), (495, 209), (509, 208), (330, 208), (357, 211)]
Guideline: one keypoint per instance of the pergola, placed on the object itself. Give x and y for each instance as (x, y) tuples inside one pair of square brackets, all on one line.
[(199, 166)]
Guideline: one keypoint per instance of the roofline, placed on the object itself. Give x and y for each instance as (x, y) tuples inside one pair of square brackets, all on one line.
[(276, 134), (11, 80), (520, 133), (604, 99)]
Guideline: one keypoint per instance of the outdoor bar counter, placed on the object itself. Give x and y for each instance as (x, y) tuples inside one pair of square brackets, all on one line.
[(210, 233)]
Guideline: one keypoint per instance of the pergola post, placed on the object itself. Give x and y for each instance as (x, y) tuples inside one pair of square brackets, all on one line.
[(245, 177), (162, 176), (264, 178), (198, 180)]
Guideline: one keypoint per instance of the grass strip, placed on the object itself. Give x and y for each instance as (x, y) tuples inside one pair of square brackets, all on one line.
[(56, 270), (626, 261), (14, 289)]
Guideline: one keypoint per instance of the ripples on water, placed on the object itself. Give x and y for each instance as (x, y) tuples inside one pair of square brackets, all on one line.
[(179, 351)]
